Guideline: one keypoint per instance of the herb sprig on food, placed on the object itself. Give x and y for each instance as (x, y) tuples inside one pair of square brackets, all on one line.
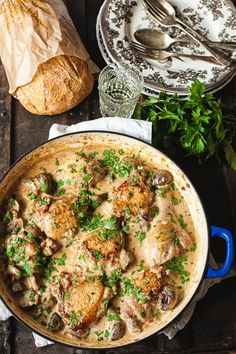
[(196, 125)]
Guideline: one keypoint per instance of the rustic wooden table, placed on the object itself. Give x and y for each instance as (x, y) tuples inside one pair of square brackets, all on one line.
[(212, 328)]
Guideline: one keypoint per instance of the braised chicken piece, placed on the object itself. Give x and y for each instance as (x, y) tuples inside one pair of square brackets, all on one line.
[(79, 302), (60, 221), (103, 250), (166, 238), (147, 281), (134, 197), (97, 247)]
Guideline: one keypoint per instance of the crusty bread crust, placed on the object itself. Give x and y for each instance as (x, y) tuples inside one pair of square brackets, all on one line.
[(58, 85)]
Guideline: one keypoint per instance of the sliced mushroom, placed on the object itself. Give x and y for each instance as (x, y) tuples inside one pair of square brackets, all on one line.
[(168, 298), (116, 330), (134, 325), (44, 180), (17, 286), (55, 322), (162, 177)]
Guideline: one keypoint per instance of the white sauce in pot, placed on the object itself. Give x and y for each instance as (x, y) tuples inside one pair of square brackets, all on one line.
[(98, 244)]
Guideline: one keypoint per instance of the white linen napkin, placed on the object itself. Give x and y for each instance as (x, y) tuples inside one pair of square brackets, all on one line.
[(142, 130)]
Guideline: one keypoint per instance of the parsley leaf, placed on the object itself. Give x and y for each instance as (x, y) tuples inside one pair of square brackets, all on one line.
[(120, 167), (196, 125)]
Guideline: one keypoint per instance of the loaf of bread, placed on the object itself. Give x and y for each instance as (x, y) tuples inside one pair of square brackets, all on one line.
[(47, 66), (58, 85)]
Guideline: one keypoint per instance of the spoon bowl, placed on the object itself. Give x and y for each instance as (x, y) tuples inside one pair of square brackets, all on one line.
[(159, 40), (164, 13), (153, 38)]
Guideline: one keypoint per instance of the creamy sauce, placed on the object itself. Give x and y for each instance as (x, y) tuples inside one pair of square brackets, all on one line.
[(106, 218)]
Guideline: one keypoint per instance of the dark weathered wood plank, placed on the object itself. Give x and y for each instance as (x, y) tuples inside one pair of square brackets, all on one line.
[(30, 130), (5, 124), (77, 11)]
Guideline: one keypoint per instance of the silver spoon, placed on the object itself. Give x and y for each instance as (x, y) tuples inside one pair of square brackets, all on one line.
[(164, 13), (153, 38)]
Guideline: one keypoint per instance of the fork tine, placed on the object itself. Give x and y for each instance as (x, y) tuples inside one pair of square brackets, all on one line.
[(154, 11), (156, 7), (137, 47), (144, 51)]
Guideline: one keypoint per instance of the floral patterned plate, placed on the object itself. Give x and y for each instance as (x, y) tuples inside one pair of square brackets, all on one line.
[(119, 19)]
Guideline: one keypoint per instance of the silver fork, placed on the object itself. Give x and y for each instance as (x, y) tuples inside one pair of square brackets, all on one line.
[(170, 20), (161, 55)]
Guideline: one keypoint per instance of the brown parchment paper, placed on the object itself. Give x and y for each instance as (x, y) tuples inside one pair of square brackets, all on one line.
[(33, 31)]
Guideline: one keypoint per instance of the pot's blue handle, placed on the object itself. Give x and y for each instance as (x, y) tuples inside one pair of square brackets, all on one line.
[(227, 236)]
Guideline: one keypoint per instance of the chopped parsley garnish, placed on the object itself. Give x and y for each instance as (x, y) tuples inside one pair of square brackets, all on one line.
[(140, 236), (113, 317), (96, 222), (44, 187), (121, 152), (171, 217), (140, 265), (62, 261), (57, 163), (7, 217), (142, 314), (115, 277), (42, 201), (182, 222), (193, 247), (55, 225), (88, 177), (98, 255), (175, 201), (67, 295), (32, 296), (171, 187), (90, 278), (106, 304), (161, 192), (99, 335), (60, 183), (27, 271), (119, 167), (135, 180), (176, 264), (154, 211), (73, 318), (32, 196), (11, 202), (106, 333)]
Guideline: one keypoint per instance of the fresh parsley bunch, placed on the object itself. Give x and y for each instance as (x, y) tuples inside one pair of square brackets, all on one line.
[(196, 125)]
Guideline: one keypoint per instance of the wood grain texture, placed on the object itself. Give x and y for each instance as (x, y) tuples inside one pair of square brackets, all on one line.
[(5, 124)]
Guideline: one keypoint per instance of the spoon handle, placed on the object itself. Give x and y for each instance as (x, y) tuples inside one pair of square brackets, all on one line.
[(223, 45), (226, 45), (220, 57)]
